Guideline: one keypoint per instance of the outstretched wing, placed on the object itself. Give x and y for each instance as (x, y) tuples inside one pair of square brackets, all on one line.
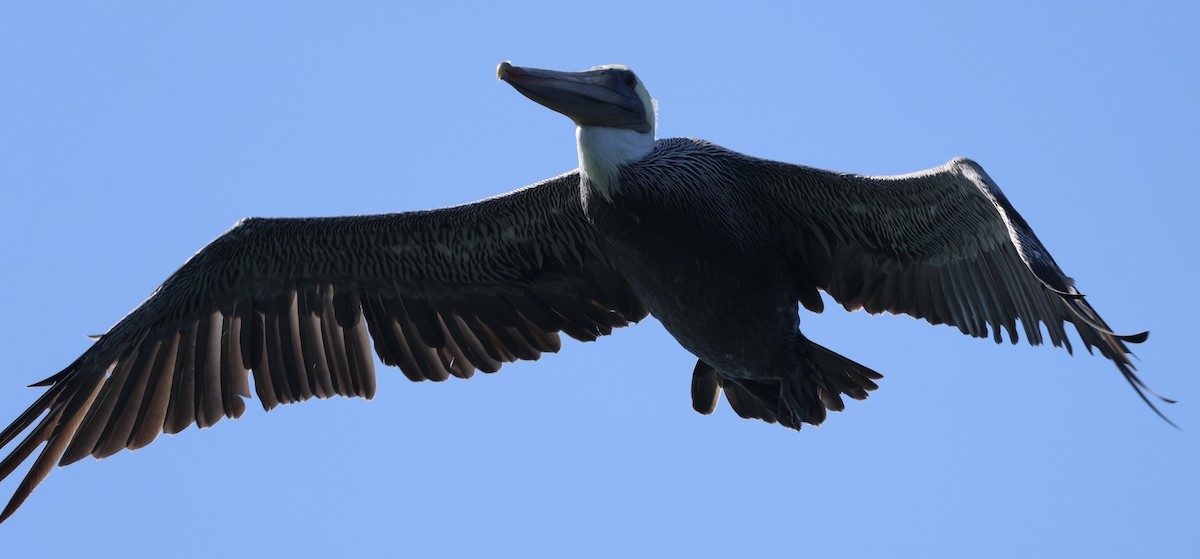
[(944, 245), (443, 293)]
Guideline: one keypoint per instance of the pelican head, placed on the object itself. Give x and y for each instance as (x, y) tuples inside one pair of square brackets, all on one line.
[(612, 111), (608, 96)]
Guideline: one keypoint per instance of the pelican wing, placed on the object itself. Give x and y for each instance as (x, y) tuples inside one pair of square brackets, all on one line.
[(944, 245), (443, 293)]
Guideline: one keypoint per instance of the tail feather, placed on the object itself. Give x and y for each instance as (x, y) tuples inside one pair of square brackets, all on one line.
[(706, 388), (752, 399), (801, 396), (819, 384)]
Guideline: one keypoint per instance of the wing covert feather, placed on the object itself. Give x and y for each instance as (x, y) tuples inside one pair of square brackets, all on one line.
[(443, 292), (944, 245)]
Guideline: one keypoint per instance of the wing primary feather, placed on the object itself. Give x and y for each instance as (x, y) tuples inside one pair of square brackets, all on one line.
[(386, 344), (967, 317), (92, 427), (1077, 308), (987, 305), (473, 349), (492, 311), (43, 403), (874, 282), (1133, 338), (976, 314), (495, 349), (313, 344), (426, 366), (199, 365), (335, 347), (119, 431), (576, 322), (512, 339), (335, 350), (436, 368), (264, 386), (542, 340), (609, 287), (188, 353), (587, 314), (959, 316), (232, 404), (362, 366), (997, 308), (1003, 291), (234, 338), (534, 311), (40, 434), (154, 408), (421, 315), (1060, 293), (981, 302), (211, 402), (347, 307), (1055, 323), (1026, 292), (234, 377), (252, 337), (181, 411), (415, 348), (925, 295), (1141, 389), (939, 296), (391, 332), (276, 364), (448, 354), (290, 346), (350, 311), (909, 292), (460, 364), (51, 401), (576, 327), (894, 294), (1028, 317), (58, 440)]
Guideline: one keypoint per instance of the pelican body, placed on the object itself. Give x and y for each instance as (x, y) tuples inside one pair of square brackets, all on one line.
[(678, 258), (721, 247)]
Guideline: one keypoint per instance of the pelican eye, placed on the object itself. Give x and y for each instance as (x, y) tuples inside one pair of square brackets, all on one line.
[(628, 78)]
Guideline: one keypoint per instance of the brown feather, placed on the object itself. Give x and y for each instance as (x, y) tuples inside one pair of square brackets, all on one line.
[(181, 412), (120, 427), (153, 412)]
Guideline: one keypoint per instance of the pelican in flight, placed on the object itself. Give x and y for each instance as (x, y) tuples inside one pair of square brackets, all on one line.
[(721, 247)]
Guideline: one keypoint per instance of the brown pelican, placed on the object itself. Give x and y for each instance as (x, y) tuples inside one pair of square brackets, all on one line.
[(719, 246)]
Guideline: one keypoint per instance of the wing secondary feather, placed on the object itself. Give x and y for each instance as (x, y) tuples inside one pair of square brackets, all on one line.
[(291, 301), (944, 245)]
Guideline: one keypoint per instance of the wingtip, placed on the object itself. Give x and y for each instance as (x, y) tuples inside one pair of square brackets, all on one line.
[(1082, 310), (15, 503), (1142, 391), (1159, 412), (1134, 338), (8, 511)]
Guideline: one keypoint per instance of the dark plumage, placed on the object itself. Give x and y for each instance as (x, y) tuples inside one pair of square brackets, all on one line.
[(943, 245), (719, 246)]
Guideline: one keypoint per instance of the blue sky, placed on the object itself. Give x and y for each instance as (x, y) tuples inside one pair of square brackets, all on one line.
[(131, 135)]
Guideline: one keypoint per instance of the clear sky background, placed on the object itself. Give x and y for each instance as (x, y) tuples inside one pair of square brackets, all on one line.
[(132, 134)]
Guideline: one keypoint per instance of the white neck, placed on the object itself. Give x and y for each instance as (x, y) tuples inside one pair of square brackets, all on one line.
[(602, 150)]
